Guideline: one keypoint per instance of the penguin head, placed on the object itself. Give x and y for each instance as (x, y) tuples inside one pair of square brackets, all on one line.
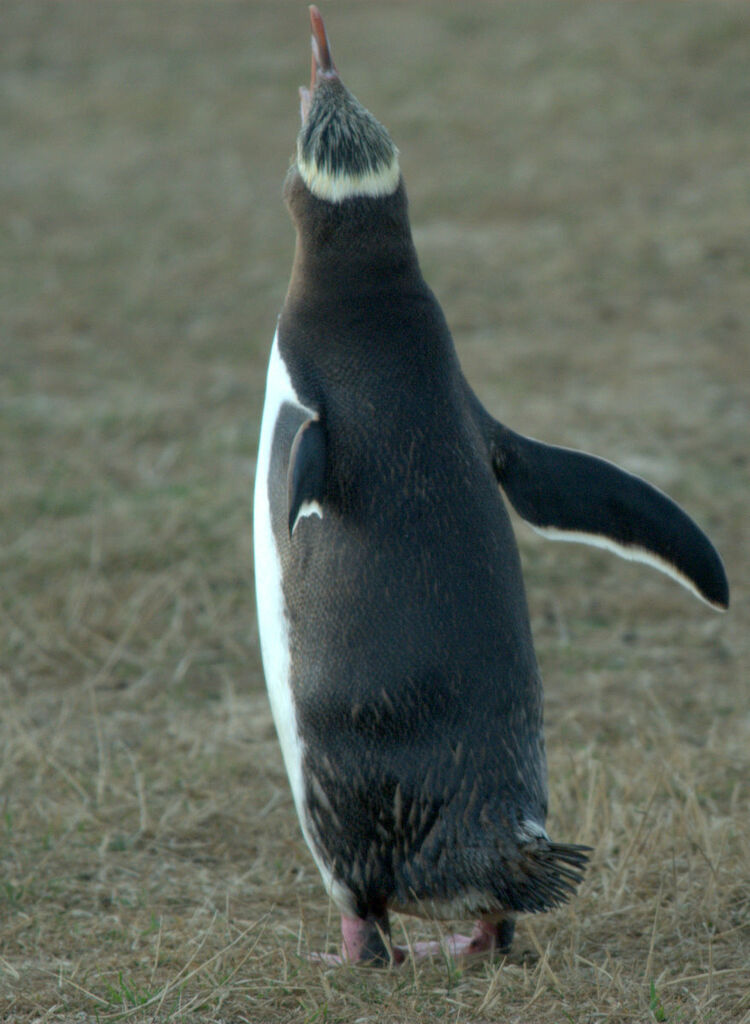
[(343, 152)]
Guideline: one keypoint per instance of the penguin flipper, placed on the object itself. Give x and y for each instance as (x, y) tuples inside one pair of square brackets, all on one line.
[(570, 495), (306, 474)]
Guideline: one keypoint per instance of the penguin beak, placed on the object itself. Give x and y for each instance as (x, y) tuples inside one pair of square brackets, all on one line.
[(322, 61)]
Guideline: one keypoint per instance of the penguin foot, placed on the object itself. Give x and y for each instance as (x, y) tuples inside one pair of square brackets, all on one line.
[(367, 941), (488, 937), (364, 940)]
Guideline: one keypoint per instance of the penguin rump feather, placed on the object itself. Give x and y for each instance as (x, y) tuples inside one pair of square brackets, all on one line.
[(538, 876), (549, 874)]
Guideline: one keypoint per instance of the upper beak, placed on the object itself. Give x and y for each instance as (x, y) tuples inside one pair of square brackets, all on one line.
[(322, 61)]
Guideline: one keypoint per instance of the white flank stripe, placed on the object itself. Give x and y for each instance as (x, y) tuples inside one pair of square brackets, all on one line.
[(272, 620), (273, 626), (631, 554)]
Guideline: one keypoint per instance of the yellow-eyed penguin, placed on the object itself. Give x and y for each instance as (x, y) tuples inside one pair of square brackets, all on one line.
[(392, 614)]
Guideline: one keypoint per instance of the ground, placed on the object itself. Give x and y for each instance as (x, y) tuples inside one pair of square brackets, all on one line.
[(578, 179)]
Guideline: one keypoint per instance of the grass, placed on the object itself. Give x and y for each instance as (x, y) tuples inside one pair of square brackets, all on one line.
[(578, 184)]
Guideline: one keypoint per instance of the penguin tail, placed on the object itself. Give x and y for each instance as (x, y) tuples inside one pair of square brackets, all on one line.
[(548, 873)]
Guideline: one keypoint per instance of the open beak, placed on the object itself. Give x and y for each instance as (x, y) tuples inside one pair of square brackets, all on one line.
[(322, 61)]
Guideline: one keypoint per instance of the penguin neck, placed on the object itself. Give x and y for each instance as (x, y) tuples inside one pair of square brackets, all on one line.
[(335, 269), (356, 245)]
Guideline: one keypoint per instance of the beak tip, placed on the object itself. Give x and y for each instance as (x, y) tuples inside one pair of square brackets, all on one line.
[(320, 46)]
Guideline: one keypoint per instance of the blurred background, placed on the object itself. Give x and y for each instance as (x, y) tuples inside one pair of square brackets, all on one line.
[(578, 181)]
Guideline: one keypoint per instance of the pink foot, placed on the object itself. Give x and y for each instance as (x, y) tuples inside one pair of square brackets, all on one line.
[(367, 941), (488, 937), (364, 941)]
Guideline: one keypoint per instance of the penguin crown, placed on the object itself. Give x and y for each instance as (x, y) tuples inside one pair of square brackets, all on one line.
[(342, 150)]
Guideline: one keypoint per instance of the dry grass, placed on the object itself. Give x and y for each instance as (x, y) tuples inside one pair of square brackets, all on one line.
[(579, 184)]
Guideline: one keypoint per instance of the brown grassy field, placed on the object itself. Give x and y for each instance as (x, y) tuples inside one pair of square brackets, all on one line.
[(579, 183)]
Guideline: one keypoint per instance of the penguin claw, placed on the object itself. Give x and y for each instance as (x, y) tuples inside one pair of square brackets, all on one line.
[(399, 955), (327, 959)]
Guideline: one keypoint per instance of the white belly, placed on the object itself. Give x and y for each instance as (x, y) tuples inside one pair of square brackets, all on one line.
[(272, 615)]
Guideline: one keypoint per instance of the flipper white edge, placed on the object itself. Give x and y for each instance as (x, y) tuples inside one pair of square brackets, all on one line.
[(631, 554)]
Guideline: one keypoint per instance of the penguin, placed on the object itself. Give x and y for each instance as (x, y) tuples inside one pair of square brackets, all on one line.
[(392, 614)]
